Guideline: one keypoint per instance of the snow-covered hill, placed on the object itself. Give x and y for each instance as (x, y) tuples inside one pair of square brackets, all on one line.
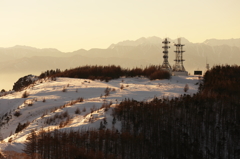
[(69, 103)]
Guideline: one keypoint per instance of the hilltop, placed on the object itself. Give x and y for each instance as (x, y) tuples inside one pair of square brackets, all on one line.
[(122, 117), (52, 103)]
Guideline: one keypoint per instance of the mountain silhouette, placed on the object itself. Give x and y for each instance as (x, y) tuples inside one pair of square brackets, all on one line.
[(130, 53)]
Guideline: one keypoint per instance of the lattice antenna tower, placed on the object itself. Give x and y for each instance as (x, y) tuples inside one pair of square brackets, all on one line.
[(179, 57), (165, 47)]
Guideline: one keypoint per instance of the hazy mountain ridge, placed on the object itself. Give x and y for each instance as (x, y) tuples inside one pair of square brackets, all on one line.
[(230, 42), (139, 53), (18, 51)]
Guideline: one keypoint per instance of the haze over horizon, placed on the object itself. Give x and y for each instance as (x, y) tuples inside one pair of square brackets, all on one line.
[(72, 25)]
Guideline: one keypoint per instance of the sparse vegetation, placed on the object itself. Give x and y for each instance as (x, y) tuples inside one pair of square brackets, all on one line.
[(107, 91), (122, 86), (58, 117), (77, 111), (186, 88), (1, 138), (65, 123), (24, 82), (20, 127), (10, 140), (64, 89), (17, 113), (30, 103), (25, 94)]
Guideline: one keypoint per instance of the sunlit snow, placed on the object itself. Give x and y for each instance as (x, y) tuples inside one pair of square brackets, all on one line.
[(93, 93)]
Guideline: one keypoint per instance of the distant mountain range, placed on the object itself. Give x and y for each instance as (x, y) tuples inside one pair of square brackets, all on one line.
[(216, 42), (138, 53)]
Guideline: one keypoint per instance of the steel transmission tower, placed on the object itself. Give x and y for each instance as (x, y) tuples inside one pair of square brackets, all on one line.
[(166, 64), (179, 57)]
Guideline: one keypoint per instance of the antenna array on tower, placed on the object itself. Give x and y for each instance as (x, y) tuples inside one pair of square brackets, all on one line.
[(178, 68), (165, 47), (179, 57)]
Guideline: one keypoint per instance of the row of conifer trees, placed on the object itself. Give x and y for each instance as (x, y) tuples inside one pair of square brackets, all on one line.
[(103, 73), (108, 72)]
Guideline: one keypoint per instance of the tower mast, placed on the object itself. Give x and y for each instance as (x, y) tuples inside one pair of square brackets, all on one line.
[(165, 47), (179, 57), (179, 68)]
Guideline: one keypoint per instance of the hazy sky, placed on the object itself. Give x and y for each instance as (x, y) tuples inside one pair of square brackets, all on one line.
[(69, 25)]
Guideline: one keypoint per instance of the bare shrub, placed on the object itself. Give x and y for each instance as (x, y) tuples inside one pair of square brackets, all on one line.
[(106, 106), (17, 113), (107, 91), (113, 90), (20, 127), (64, 89), (25, 94), (122, 86), (80, 99), (30, 103), (65, 123), (77, 111), (186, 88), (65, 114), (10, 140), (53, 78)]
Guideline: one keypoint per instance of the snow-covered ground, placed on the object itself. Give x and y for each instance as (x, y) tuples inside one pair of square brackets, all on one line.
[(64, 90)]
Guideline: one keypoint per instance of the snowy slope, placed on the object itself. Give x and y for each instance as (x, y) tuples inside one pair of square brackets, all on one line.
[(60, 95)]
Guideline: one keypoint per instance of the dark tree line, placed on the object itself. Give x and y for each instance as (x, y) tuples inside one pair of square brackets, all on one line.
[(112, 72), (23, 82), (185, 127), (20, 126), (103, 73), (205, 125), (49, 73), (222, 80), (68, 145)]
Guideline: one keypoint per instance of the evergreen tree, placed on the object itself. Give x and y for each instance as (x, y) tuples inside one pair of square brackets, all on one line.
[(31, 144)]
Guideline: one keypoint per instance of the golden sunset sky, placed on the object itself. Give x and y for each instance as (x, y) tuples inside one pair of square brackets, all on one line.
[(69, 25)]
